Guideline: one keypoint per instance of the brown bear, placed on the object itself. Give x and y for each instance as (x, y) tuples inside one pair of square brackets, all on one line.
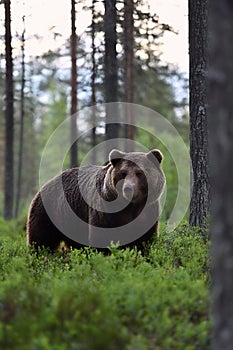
[(96, 205)]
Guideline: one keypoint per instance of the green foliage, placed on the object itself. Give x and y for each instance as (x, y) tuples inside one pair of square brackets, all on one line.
[(56, 107), (84, 300), (168, 165), (1, 203), (152, 90)]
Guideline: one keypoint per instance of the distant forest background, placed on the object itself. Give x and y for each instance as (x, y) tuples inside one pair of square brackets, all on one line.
[(116, 59)]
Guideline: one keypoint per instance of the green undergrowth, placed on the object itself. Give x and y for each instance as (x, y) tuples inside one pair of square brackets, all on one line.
[(84, 300)]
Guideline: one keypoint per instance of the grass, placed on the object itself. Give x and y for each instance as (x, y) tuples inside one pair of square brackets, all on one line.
[(84, 300)]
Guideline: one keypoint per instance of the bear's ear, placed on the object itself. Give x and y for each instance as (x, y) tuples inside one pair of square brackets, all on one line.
[(115, 156), (154, 156)]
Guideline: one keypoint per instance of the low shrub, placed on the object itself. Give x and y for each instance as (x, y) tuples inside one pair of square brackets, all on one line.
[(85, 300)]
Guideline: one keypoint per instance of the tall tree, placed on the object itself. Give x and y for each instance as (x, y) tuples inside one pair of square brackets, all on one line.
[(9, 119), (93, 81), (21, 124), (2, 131), (221, 168), (129, 67), (74, 99), (110, 68), (199, 206)]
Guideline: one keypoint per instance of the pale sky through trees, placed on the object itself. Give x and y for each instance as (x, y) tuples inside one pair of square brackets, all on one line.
[(46, 18)]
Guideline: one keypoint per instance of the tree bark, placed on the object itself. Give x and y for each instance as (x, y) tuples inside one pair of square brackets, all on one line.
[(9, 119), (221, 169), (111, 72), (93, 82), (199, 206), (21, 126), (129, 69), (74, 99)]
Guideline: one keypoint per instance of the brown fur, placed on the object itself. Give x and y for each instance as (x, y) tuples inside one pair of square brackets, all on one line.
[(134, 169)]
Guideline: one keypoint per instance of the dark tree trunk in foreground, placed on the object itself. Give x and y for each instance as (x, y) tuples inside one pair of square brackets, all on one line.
[(199, 206), (221, 167), (110, 68), (129, 68), (9, 119), (21, 126), (74, 99)]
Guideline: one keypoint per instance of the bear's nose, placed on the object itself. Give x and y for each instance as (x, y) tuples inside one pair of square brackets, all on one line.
[(128, 189)]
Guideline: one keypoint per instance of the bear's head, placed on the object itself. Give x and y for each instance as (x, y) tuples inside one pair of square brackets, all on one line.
[(137, 176)]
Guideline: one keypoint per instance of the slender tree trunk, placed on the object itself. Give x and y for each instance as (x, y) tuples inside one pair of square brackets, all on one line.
[(21, 131), (111, 73), (199, 206), (129, 68), (2, 151), (74, 99), (221, 169), (9, 119), (93, 87)]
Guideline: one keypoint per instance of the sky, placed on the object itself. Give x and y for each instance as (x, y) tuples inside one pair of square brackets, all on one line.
[(43, 18), (174, 13)]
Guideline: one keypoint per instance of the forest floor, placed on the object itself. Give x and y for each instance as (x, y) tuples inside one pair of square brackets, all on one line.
[(85, 300)]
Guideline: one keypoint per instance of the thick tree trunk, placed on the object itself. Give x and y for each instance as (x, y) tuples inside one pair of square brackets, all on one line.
[(199, 206), (9, 119), (111, 72), (129, 68), (221, 168), (74, 99)]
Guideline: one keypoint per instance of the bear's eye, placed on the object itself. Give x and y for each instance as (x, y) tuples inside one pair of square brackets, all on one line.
[(123, 174), (140, 174)]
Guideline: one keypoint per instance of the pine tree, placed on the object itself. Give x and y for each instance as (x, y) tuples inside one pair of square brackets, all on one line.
[(93, 81), (110, 70), (199, 206), (22, 117), (74, 99), (221, 169), (9, 119), (129, 68)]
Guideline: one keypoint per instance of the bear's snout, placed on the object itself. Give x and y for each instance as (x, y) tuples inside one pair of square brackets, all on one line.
[(128, 190)]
